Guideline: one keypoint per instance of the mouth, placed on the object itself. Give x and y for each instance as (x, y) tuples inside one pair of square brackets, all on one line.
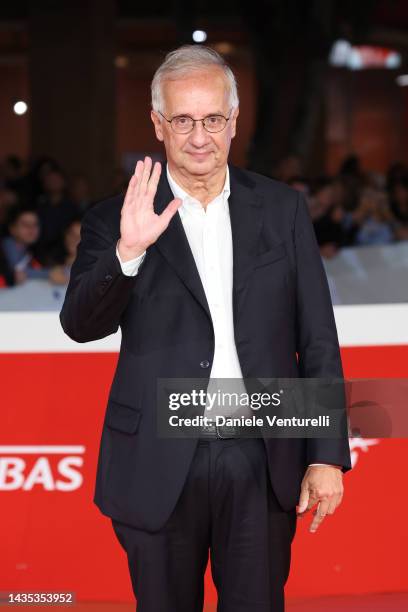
[(199, 154)]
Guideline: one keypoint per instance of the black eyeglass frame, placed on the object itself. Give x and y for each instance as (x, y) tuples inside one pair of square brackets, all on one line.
[(197, 120)]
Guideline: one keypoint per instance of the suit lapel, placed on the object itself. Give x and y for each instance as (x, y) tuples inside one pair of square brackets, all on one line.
[(245, 208), (246, 215), (174, 246)]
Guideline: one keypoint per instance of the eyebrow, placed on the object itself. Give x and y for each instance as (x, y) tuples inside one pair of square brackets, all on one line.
[(207, 115)]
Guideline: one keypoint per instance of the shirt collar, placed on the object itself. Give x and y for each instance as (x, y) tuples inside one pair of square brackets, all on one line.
[(192, 203)]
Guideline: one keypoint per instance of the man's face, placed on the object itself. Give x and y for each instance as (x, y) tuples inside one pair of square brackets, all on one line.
[(196, 95)]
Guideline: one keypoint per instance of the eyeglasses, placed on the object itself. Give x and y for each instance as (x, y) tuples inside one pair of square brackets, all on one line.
[(184, 124)]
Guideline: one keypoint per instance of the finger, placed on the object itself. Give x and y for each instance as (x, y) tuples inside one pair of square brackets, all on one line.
[(146, 175), (170, 211), (338, 499), (319, 516), (323, 507), (154, 180), (303, 500), (139, 169), (315, 524), (130, 192), (332, 506), (313, 500)]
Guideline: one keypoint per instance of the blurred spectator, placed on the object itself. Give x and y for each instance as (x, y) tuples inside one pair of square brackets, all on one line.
[(39, 169), (56, 212), (18, 246), (399, 206), (353, 180), (12, 172), (288, 168), (350, 191), (375, 180), (395, 172), (300, 184), (327, 217), (6, 273), (59, 274), (8, 199), (373, 218), (322, 197), (79, 193), (350, 166)]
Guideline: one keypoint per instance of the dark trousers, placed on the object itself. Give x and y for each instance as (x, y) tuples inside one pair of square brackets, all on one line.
[(228, 508)]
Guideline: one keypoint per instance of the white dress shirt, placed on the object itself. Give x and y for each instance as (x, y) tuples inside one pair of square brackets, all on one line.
[(209, 235)]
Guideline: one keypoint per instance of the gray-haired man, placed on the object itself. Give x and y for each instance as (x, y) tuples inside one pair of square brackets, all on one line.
[(211, 272)]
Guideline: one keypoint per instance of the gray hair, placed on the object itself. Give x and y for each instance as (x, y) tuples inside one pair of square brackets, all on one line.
[(183, 61)]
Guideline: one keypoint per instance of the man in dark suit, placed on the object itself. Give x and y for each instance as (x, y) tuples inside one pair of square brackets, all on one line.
[(211, 272)]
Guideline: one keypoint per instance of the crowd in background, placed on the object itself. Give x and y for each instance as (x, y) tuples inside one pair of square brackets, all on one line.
[(40, 220), (353, 208), (40, 212)]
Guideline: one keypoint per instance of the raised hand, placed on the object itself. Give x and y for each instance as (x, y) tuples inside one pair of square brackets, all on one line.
[(140, 226)]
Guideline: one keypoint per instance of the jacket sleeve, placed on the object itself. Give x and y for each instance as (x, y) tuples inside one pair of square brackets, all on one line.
[(98, 291), (317, 342)]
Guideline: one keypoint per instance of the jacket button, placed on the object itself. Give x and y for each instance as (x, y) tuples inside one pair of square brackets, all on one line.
[(204, 364), (108, 277)]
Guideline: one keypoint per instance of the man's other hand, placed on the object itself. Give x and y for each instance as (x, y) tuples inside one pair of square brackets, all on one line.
[(322, 485)]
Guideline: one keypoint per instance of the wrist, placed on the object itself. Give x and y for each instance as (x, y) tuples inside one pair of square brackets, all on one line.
[(339, 467), (128, 253)]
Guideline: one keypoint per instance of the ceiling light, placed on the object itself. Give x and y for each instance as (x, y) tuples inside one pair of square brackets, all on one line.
[(402, 80), (20, 107), (199, 36)]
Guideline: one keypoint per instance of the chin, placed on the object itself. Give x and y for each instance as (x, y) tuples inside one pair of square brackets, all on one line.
[(200, 166)]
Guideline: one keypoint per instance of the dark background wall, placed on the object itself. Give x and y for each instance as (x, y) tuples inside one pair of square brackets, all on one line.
[(85, 69)]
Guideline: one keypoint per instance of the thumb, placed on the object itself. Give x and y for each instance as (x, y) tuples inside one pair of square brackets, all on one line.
[(170, 210), (303, 500)]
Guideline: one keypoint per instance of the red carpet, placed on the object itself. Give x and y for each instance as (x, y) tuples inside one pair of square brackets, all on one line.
[(380, 602)]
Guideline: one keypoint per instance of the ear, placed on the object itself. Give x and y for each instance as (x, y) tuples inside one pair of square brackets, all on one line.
[(158, 128), (234, 122)]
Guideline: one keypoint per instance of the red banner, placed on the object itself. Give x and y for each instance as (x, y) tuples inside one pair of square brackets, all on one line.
[(54, 538)]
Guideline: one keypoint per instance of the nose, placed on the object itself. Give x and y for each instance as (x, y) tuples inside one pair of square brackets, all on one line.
[(199, 136)]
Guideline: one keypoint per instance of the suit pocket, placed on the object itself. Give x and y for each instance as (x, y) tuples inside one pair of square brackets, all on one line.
[(274, 254), (122, 417)]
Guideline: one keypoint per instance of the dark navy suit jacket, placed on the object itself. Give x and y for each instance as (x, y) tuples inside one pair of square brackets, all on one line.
[(283, 321)]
